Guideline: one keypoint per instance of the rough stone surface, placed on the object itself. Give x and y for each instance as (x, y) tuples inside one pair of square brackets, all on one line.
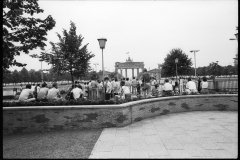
[(40, 119)]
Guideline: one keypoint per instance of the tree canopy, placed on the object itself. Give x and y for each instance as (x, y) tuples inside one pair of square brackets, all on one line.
[(69, 55), (183, 66), (21, 31)]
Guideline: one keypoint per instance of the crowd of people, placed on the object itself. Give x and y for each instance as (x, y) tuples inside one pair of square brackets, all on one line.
[(145, 86)]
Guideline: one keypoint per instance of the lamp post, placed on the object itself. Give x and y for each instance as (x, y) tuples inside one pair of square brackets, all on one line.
[(176, 61), (41, 71), (195, 60), (102, 43)]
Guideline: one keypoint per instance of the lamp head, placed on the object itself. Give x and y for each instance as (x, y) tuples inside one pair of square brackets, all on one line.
[(176, 60), (102, 42), (236, 35)]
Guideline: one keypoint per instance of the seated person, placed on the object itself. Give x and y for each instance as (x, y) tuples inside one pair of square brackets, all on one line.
[(27, 94), (155, 91), (42, 94), (176, 91), (167, 88), (125, 92), (77, 92), (191, 87), (204, 86), (54, 93)]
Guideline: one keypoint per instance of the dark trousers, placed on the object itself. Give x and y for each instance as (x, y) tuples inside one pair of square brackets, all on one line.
[(107, 96)]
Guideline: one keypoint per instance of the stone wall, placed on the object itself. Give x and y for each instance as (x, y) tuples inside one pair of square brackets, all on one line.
[(47, 118)]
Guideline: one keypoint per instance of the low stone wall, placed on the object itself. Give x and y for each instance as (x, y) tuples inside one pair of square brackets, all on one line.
[(47, 118)]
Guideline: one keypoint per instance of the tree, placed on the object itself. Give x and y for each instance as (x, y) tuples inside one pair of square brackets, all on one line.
[(16, 77), (68, 57), (32, 76), (93, 75), (24, 74), (183, 66), (22, 33)]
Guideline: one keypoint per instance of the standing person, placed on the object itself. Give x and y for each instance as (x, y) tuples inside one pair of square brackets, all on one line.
[(153, 83), (108, 88), (27, 94), (138, 86), (116, 87), (146, 80), (134, 86), (54, 93), (93, 85), (204, 86), (100, 89), (112, 86), (173, 83), (184, 83), (199, 84), (181, 84), (42, 94), (128, 84), (125, 92)]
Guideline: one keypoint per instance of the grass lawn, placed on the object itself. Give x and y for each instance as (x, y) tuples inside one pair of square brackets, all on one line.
[(55, 144)]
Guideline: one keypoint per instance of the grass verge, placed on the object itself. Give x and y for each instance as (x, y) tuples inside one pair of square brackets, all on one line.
[(55, 144)]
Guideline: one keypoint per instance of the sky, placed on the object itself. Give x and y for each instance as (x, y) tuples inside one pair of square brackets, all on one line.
[(146, 30)]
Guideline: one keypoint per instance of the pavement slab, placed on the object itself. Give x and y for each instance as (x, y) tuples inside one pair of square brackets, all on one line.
[(200, 134)]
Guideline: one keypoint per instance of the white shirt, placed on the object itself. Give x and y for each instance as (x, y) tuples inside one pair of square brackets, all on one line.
[(77, 92), (167, 87), (108, 87), (191, 85), (33, 88), (204, 84), (125, 90)]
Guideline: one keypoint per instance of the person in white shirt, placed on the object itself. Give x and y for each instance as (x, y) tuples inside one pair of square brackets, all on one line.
[(26, 93), (134, 86), (181, 84), (167, 88), (204, 86), (77, 92), (116, 87), (100, 88), (191, 86), (33, 87), (125, 91), (112, 86), (108, 88)]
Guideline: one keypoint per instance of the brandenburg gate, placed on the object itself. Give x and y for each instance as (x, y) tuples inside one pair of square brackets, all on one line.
[(129, 64)]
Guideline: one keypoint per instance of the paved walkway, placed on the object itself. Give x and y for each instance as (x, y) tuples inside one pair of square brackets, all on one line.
[(208, 134)]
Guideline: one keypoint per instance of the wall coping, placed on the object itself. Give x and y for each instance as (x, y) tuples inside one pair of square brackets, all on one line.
[(124, 105)]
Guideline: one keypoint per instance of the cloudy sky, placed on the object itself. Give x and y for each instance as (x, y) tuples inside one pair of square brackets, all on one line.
[(148, 30)]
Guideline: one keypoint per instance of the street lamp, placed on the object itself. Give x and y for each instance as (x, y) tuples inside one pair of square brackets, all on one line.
[(195, 60), (102, 43), (176, 61)]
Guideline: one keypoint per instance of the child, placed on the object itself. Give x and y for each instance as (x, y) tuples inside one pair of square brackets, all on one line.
[(125, 92), (155, 91)]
